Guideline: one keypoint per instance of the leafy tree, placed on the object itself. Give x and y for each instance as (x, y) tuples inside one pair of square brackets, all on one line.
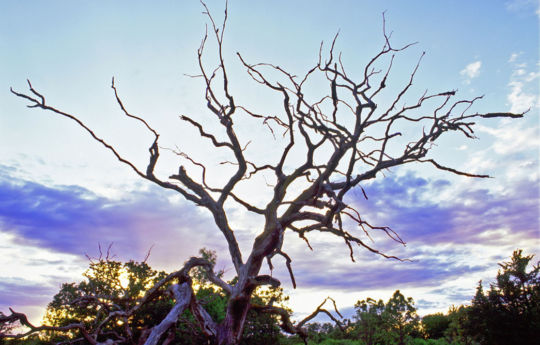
[(369, 321), (400, 319), (331, 341), (199, 273), (441, 341), (393, 322), (111, 286), (509, 313), (435, 325), (263, 328), (347, 136), (459, 328), (314, 332)]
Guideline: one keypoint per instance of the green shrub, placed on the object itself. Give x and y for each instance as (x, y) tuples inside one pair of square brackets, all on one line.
[(339, 342)]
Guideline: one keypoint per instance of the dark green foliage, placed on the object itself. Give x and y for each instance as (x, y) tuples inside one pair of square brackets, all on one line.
[(400, 319), (435, 325), (110, 286), (339, 342), (314, 332), (458, 331), (261, 328), (187, 329), (395, 322), (442, 341), (369, 321), (198, 273), (509, 313)]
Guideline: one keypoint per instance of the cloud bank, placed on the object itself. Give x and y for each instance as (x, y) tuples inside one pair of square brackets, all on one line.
[(464, 236)]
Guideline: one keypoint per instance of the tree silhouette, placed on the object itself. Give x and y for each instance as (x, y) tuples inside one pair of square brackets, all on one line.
[(510, 311), (435, 325), (346, 137)]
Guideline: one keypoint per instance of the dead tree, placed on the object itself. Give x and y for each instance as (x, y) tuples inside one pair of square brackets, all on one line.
[(347, 138)]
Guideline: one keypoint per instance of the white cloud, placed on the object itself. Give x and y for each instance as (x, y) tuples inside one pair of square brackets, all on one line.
[(471, 71), (523, 94), (513, 138), (532, 76), (514, 56), (523, 6), (516, 147), (519, 99)]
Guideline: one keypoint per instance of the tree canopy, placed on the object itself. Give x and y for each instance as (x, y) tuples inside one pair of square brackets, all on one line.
[(390, 323), (509, 312), (112, 286)]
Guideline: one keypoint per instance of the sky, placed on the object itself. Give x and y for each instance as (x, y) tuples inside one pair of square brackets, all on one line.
[(62, 195)]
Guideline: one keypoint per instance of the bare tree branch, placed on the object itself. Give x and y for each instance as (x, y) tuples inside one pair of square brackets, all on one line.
[(34, 329), (182, 294), (347, 138)]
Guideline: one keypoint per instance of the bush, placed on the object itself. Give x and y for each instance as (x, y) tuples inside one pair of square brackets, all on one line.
[(340, 342), (420, 341)]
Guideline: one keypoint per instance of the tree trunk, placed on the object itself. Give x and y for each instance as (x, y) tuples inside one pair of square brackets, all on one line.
[(231, 329)]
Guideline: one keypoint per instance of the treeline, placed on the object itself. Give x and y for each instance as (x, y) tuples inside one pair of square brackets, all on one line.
[(393, 322), (507, 313)]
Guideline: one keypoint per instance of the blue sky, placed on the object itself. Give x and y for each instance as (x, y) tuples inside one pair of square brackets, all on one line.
[(61, 194)]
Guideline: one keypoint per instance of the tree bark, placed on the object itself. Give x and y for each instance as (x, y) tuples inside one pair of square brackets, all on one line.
[(182, 294)]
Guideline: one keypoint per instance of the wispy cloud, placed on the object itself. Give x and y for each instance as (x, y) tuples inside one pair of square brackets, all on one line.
[(45, 231), (471, 71), (513, 138), (463, 219), (452, 244), (22, 292), (441, 235), (524, 6), (514, 56), (523, 86), (71, 219)]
